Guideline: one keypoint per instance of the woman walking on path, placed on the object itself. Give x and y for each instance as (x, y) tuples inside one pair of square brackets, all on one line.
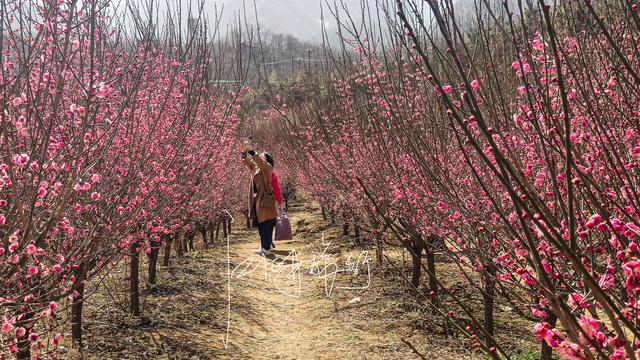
[(264, 191)]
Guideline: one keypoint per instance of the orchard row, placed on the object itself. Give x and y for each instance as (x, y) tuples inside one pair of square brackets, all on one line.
[(112, 143)]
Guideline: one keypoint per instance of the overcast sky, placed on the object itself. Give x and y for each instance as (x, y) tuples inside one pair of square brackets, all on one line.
[(300, 18)]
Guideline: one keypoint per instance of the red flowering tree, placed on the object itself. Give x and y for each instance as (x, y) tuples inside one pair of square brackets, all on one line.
[(511, 145), (107, 146)]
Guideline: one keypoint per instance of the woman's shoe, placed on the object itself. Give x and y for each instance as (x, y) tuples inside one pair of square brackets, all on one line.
[(260, 251)]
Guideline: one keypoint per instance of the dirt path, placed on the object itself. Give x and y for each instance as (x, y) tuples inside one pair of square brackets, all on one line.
[(295, 319)]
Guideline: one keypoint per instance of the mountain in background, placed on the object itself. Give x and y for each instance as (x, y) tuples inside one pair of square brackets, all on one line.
[(300, 18)]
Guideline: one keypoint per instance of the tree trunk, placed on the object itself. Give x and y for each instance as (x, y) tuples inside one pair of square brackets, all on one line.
[(431, 267), (179, 247), (203, 232), (77, 304), (217, 230), (225, 231), (190, 246), (183, 244), (76, 315), (546, 351), (345, 229), (212, 239), (356, 233), (167, 252), (416, 257), (229, 226), (24, 345), (153, 264), (134, 281), (24, 349), (379, 250), (488, 297), (324, 213)]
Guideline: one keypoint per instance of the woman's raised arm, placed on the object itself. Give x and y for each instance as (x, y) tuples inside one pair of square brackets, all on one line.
[(248, 160)]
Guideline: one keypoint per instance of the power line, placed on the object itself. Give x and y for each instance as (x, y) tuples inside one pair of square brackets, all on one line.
[(299, 59)]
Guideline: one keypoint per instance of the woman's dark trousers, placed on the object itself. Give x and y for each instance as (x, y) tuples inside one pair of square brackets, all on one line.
[(265, 229)]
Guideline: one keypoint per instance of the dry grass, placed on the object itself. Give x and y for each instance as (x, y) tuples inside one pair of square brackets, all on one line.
[(185, 316)]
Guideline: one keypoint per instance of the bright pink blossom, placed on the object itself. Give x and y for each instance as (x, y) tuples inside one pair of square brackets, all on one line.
[(595, 220), (552, 337), (475, 85), (31, 249), (632, 271), (7, 326)]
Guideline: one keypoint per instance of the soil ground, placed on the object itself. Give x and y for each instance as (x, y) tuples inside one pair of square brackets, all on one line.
[(320, 297)]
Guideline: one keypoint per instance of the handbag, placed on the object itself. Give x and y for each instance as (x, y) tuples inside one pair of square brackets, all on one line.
[(283, 227)]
